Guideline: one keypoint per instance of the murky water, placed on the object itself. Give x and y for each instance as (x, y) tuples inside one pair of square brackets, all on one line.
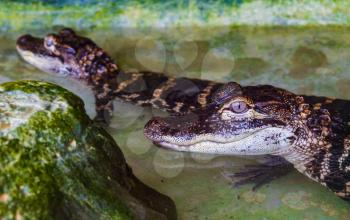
[(303, 60)]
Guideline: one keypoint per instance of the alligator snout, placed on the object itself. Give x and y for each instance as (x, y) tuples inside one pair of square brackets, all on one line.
[(156, 128), (24, 39), (28, 43), (180, 127)]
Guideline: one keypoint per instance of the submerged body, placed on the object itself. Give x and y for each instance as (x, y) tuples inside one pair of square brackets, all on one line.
[(312, 133)]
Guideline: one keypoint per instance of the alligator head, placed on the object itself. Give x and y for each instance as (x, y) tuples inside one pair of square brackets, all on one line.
[(66, 53), (251, 120)]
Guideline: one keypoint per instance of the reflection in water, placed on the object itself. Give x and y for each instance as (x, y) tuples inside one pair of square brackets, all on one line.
[(303, 60), (307, 61)]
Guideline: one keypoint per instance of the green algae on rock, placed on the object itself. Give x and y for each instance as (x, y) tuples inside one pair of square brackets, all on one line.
[(56, 164)]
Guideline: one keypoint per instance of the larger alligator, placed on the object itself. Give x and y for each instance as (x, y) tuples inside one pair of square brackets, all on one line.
[(312, 133)]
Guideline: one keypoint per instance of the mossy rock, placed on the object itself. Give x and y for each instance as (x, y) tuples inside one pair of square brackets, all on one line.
[(56, 164)]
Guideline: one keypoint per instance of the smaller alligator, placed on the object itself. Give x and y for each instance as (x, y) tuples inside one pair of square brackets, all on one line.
[(78, 57), (312, 133)]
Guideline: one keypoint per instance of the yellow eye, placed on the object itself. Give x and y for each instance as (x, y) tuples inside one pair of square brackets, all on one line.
[(239, 107)]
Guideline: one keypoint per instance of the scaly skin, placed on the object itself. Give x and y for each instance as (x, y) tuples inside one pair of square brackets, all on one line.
[(312, 133), (78, 57)]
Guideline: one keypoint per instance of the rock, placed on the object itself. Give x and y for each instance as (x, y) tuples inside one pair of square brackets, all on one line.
[(56, 164)]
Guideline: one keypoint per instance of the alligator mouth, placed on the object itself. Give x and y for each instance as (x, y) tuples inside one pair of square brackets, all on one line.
[(186, 147), (32, 44), (33, 51), (253, 144), (32, 48), (47, 63), (201, 141), (239, 146), (252, 141), (170, 144)]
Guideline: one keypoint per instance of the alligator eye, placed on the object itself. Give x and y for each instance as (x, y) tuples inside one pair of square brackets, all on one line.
[(49, 41), (239, 107)]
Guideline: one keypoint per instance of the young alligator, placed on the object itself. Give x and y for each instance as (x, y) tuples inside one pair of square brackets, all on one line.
[(67, 53), (312, 133), (78, 57)]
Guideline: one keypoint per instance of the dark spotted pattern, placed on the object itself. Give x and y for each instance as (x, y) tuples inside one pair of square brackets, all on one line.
[(321, 126), (186, 91), (331, 162), (81, 58)]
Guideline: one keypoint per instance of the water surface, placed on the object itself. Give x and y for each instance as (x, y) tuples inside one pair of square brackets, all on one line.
[(303, 60)]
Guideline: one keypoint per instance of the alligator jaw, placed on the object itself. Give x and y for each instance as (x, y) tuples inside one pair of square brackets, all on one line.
[(33, 51), (260, 142), (48, 64)]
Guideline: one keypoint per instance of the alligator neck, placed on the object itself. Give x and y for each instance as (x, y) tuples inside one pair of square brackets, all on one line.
[(323, 149), (97, 68), (94, 67), (144, 88)]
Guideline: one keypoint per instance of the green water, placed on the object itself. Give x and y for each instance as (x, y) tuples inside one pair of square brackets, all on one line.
[(303, 60), (82, 14)]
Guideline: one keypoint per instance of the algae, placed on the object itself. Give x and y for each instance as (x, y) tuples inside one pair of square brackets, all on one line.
[(56, 164), (40, 157)]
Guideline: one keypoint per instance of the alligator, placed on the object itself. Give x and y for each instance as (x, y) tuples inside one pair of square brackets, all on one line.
[(69, 54), (307, 132), (312, 133)]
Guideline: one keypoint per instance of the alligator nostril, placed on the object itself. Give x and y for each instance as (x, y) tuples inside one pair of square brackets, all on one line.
[(154, 128), (24, 39), (153, 124)]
